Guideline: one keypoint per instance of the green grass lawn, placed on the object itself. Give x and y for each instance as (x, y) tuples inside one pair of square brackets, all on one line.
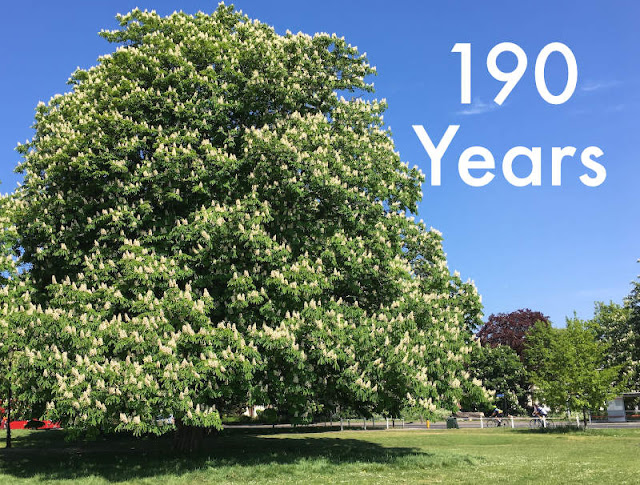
[(241, 456)]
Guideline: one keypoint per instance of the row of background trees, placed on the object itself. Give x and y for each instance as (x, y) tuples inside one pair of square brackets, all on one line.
[(577, 368)]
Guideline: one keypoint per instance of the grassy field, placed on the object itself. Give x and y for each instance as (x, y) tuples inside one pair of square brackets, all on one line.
[(241, 456)]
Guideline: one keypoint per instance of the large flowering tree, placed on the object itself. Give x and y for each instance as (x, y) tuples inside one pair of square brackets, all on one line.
[(208, 222)]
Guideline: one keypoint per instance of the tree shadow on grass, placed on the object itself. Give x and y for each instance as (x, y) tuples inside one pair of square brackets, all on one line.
[(46, 455), (571, 429)]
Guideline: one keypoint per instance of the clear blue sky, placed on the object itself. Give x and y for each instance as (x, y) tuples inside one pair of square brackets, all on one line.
[(553, 249)]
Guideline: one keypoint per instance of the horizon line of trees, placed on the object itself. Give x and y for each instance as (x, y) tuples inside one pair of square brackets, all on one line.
[(577, 368)]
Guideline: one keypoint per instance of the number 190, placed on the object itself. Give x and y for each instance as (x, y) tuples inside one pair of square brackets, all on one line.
[(511, 78)]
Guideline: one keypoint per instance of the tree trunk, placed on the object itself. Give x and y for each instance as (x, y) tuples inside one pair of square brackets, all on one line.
[(584, 417), (8, 443), (187, 438)]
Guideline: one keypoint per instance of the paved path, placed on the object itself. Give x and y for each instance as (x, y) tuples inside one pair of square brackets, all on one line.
[(522, 424), (381, 425)]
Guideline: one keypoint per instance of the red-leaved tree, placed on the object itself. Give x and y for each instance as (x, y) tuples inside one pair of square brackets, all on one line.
[(510, 328)]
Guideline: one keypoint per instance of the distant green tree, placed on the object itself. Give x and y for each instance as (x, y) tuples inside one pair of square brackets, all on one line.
[(501, 371), (569, 367), (539, 338), (619, 327), (632, 341), (611, 325)]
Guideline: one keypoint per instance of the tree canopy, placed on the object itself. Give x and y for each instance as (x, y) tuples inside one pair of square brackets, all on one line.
[(619, 327), (510, 328), (206, 221), (502, 372), (631, 346), (569, 367), (610, 324)]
